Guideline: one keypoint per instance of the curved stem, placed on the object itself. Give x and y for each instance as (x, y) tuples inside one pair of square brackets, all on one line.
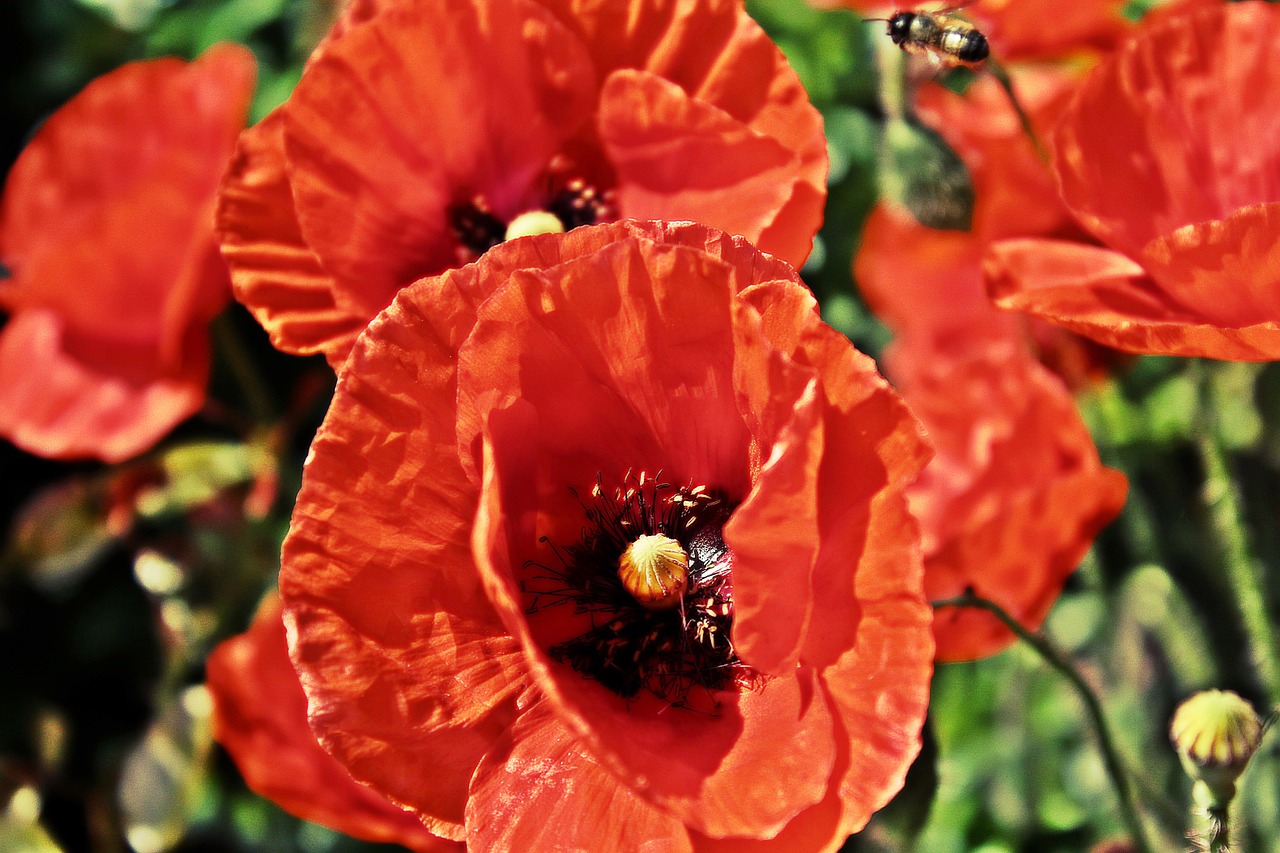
[(1058, 660), (1244, 573), (1006, 82)]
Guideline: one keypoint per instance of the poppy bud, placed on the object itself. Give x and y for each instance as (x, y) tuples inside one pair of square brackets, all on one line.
[(1216, 733)]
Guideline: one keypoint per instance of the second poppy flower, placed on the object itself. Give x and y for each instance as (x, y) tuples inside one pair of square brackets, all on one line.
[(422, 134)]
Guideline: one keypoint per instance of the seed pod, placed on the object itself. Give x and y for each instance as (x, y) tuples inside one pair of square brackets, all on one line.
[(655, 570)]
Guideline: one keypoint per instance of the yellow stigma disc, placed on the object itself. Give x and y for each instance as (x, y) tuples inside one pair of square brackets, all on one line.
[(655, 570), (534, 222)]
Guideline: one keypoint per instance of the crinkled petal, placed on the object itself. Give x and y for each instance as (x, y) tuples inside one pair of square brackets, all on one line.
[(1226, 271), (401, 116), (408, 671), (680, 158), (880, 688), (538, 789), (273, 270), (1105, 296), (261, 719), (715, 52), (92, 401), (627, 357), (872, 450), (1188, 104)]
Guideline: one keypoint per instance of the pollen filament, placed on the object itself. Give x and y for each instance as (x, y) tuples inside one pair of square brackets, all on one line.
[(655, 570)]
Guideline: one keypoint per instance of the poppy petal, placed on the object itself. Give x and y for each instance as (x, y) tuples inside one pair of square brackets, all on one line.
[(64, 402), (383, 515), (261, 718), (1167, 96), (1105, 296), (105, 351), (679, 158), (1016, 494), (715, 52), (273, 271), (1227, 270), (877, 689), (375, 168), (537, 789), (617, 366)]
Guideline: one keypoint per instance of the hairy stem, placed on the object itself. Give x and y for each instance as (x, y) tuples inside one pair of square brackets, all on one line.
[(1058, 660), (1244, 573)]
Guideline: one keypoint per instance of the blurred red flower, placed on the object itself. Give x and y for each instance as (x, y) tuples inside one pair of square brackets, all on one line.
[(107, 232), (500, 439), (260, 717), (1021, 29), (421, 131), (1016, 493), (1167, 155)]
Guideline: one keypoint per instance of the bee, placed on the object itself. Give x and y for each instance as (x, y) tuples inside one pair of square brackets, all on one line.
[(943, 38)]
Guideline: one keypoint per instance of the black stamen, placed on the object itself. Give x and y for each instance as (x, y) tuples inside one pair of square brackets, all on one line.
[(630, 648), (476, 228)]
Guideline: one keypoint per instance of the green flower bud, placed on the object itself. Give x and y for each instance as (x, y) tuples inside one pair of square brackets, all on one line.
[(1216, 733)]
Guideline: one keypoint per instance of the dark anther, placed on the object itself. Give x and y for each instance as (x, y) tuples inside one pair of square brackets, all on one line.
[(578, 203), (476, 228)]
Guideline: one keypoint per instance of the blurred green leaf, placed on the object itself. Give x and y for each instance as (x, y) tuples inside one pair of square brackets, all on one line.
[(197, 473), (60, 533), (162, 777), (132, 15), (920, 172), (191, 28), (1231, 390)]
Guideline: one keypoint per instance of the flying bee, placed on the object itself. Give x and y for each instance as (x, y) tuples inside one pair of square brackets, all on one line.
[(946, 40)]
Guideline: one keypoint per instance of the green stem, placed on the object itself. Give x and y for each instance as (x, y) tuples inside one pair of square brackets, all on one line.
[(1059, 661), (1244, 573), (256, 394), (1006, 82)]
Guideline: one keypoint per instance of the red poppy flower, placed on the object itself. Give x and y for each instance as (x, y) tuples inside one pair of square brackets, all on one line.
[(1192, 259), (260, 716), (603, 545), (1015, 495), (107, 233), (421, 132), (1021, 29)]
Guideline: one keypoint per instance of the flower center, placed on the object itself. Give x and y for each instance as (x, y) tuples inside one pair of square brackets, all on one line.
[(651, 585), (655, 570), (564, 202)]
